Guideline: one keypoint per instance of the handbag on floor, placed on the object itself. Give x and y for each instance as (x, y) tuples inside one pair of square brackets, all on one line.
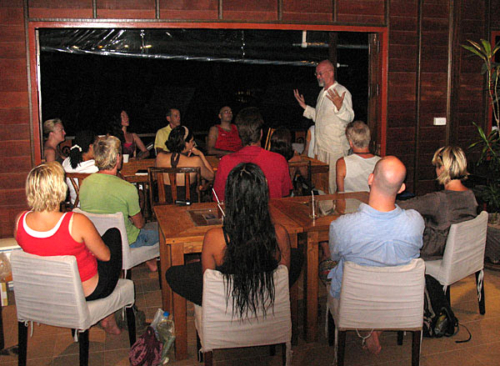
[(146, 351)]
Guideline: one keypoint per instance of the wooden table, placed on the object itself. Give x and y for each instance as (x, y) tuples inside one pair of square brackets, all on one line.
[(180, 235), (299, 210)]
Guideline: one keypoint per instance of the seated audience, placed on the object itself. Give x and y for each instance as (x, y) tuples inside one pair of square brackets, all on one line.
[(248, 246), (456, 203), (379, 234), (81, 158), (281, 143), (54, 131), (45, 231), (133, 145), (353, 170), (174, 120), (105, 193), (223, 139), (183, 154), (275, 167)]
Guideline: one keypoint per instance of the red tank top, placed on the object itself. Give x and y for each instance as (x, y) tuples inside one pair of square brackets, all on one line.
[(228, 140), (57, 241)]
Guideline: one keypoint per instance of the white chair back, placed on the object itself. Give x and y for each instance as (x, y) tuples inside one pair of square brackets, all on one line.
[(382, 297), (48, 290), (464, 251), (218, 328), (131, 256)]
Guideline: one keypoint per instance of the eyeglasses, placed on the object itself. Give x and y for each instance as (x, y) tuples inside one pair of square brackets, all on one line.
[(321, 73)]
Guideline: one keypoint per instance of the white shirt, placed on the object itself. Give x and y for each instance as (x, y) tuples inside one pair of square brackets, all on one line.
[(357, 170), (84, 167), (330, 122)]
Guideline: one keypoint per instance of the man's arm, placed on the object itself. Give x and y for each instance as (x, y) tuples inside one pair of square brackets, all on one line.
[(138, 220), (340, 169)]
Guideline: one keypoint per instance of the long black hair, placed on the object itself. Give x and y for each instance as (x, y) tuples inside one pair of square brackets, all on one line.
[(82, 142), (281, 142), (250, 255)]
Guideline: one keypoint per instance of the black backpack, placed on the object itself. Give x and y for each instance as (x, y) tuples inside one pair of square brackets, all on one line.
[(439, 319)]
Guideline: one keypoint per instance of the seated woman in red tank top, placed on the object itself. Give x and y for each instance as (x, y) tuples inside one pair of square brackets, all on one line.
[(45, 231)]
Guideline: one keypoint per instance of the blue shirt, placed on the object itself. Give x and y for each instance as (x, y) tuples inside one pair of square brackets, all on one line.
[(373, 238)]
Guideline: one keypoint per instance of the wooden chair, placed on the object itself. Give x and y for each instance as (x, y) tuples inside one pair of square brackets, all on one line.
[(270, 132), (74, 180), (463, 256), (157, 194), (300, 172), (378, 298)]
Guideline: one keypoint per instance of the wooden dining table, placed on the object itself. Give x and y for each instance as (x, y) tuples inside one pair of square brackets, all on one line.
[(129, 171), (328, 208), (181, 230)]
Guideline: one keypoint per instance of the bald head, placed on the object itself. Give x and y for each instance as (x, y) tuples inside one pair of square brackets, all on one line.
[(325, 74), (388, 176)]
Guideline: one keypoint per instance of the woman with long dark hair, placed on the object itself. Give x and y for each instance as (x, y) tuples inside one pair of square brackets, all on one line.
[(247, 247), (183, 154)]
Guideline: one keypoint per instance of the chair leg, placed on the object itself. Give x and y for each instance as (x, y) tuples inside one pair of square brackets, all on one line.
[(23, 343), (480, 291), (208, 358), (415, 348), (131, 325), (83, 340), (400, 337), (331, 328), (283, 354), (448, 294), (341, 348), (2, 341), (272, 350)]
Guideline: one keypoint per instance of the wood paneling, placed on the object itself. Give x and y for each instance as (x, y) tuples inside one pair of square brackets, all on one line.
[(126, 9), (189, 9), (361, 11), (308, 11), (243, 10), (50, 9)]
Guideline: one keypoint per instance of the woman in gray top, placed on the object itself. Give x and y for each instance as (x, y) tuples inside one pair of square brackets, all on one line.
[(456, 203)]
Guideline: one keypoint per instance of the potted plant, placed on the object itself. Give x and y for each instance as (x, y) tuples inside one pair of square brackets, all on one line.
[(489, 143)]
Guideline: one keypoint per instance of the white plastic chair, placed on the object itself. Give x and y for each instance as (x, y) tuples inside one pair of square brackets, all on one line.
[(48, 290), (218, 329), (463, 256), (131, 256), (378, 298)]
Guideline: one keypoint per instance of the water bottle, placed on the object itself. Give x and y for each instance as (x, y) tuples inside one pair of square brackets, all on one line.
[(166, 333)]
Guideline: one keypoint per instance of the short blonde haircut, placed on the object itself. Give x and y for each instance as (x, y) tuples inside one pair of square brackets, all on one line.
[(107, 151), (45, 187), (358, 133), (50, 124), (452, 158)]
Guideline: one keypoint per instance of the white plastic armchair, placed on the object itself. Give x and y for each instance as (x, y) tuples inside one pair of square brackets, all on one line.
[(378, 298), (218, 329), (131, 256), (49, 290), (463, 256)]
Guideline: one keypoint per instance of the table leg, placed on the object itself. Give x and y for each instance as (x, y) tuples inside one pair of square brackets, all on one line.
[(312, 287), (165, 264), (179, 308), (294, 296)]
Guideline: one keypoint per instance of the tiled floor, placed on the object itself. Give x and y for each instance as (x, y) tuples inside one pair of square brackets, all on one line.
[(54, 346)]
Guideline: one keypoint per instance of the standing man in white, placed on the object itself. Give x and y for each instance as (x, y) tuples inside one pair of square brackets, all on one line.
[(332, 114)]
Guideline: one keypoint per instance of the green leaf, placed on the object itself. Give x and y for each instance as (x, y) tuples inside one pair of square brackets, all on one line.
[(487, 47)]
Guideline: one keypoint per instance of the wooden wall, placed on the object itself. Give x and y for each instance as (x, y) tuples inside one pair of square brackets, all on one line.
[(429, 75)]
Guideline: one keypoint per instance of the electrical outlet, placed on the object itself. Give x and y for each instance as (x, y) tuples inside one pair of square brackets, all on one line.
[(439, 121)]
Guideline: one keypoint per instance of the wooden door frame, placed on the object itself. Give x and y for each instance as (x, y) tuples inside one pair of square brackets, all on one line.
[(33, 59)]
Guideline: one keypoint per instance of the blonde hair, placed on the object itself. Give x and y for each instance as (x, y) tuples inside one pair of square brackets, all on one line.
[(358, 133), (106, 152), (50, 124), (45, 187), (452, 159)]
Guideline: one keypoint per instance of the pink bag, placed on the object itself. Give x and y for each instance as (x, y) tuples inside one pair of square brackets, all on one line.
[(146, 351)]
